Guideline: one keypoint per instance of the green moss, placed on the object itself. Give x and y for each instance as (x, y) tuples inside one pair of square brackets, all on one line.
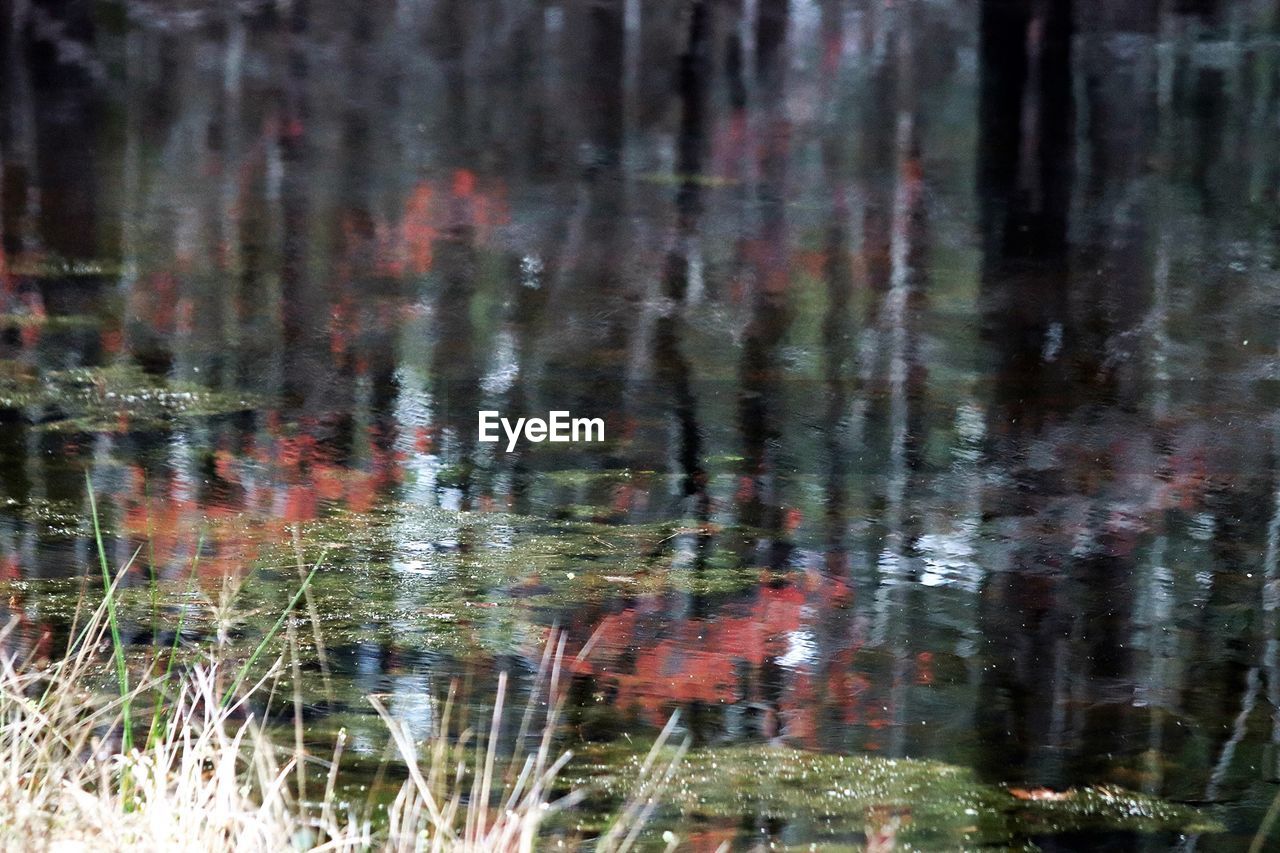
[(940, 806), (68, 321), (55, 266), (106, 399), (575, 478), (676, 178)]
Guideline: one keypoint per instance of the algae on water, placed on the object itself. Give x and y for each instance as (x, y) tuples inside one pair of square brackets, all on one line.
[(936, 806), (107, 399)]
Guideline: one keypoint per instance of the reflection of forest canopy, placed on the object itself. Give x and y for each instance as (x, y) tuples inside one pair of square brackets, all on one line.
[(966, 311)]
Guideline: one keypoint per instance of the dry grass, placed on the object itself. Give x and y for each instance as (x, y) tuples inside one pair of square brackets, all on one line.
[(208, 777)]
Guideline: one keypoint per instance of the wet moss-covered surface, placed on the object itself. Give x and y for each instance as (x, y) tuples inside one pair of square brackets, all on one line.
[(827, 799), (115, 398)]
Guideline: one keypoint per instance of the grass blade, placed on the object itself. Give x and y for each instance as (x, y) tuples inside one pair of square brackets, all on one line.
[(266, 640), (122, 669)]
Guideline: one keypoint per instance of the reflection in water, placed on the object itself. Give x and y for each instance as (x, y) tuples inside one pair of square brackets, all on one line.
[(936, 345)]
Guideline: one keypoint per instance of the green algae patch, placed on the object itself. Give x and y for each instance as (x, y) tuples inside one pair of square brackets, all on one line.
[(448, 581), (575, 478), (832, 798), (107, 399), (512, 559), (696, 178), (1106, 807), (58, 518), (47, 321), (49, 265)]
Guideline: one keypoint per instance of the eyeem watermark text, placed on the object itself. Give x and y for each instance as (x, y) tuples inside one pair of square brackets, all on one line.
[(557, 427)]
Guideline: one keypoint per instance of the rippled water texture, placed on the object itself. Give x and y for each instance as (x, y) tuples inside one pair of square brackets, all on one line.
[(936, 343)]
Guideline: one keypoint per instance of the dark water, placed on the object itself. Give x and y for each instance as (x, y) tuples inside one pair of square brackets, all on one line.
[(936, 343)]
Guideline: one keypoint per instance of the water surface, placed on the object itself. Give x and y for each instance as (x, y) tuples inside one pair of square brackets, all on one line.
[(937, 346)]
